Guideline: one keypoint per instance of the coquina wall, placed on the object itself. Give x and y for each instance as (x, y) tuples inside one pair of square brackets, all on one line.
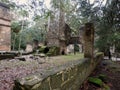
[(5, 28), (66, 77)]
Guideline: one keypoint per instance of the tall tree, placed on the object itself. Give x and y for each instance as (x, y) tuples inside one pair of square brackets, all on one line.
[(109, 34)]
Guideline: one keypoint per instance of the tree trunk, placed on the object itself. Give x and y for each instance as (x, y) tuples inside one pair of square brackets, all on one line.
[(20, 38)]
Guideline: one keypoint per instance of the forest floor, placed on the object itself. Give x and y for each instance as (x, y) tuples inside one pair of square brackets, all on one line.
[(10, 69), (111, 72)]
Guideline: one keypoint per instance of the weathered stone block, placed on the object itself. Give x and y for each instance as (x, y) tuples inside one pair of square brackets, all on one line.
[(73, 72), (80, 68), (68, 84), (43, 86), (56, 81), (36, 86), (88, 40), (65, 75)]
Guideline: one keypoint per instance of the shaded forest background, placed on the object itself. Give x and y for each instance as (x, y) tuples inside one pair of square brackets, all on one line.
[(30, 20)]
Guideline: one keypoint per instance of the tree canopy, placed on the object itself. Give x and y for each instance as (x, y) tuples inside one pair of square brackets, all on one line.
[(103, 13)]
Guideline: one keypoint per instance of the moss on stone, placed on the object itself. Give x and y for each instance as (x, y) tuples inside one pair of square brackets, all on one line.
[(95, 81), (56, 81)]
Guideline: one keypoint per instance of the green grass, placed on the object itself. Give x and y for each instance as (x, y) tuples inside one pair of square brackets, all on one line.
[(58, 60), (33, 64), (72, 57)]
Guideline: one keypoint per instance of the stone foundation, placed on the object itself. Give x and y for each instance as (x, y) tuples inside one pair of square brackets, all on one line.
[(67, 77)]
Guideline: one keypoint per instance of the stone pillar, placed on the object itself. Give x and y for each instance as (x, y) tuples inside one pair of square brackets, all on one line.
[(88, 40), (5, 28)]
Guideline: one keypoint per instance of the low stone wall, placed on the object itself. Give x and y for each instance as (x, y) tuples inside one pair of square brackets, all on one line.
[(66, 77)]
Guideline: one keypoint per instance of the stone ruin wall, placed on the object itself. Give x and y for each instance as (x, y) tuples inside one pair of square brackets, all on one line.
[(56, 29), (5, 28), (65, 77), (59, 33)]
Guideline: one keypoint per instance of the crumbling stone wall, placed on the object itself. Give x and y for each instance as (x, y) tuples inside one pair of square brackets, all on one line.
[(66, 77), (5, 30)]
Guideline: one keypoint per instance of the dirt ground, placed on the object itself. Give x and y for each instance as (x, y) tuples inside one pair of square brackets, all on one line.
[(111, 70)]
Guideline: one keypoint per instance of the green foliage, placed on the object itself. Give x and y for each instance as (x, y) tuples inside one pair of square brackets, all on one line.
[(77, 12), (100, 81), (4, 1), (102, 77), (27, 35), (108, 28), (53, 51), (99, 53), (41, 49), (76, 47), (16, 27), (95, 81), (24, 13), (15, 41)]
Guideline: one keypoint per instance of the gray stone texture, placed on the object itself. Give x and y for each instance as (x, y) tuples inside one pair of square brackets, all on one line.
[(88, 40)]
